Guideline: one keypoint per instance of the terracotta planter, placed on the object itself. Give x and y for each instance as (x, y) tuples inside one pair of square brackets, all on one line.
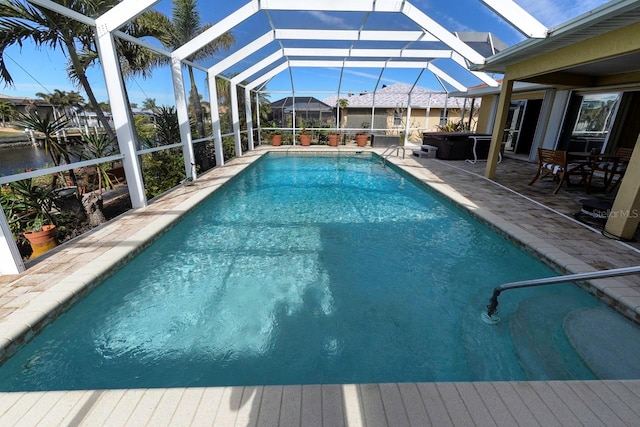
[(276, 140), (333, 139), (42, 241), (361, 139), (305, 139)]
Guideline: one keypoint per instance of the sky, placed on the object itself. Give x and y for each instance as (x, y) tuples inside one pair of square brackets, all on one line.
[(44, 70)]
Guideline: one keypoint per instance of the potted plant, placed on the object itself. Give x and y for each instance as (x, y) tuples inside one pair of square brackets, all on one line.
[(31, 210), (361, 137), (276, 138), (305, 137), (333, 138)]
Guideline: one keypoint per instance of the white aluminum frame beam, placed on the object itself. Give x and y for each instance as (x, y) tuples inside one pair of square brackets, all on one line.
[(431, 26), (310, 63), (249, 118), (519, 18), (369, 53), (65, 11), (122, 120), (447, 78), (215, 31), (484, 77), (182, 111), (354, 35), (124, 12), (10, 258), (242, 53), (258, 66), (215, 120), (334, 5), (235, 117), (268, 76)]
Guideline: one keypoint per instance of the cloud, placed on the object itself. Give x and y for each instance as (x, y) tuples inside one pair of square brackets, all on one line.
[(325, 18), (554, 12)]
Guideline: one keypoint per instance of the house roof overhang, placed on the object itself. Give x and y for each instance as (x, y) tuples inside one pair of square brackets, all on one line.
[(573, 55)]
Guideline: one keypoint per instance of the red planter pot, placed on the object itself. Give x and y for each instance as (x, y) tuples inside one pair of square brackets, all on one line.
[(305, 139), (276, 140)]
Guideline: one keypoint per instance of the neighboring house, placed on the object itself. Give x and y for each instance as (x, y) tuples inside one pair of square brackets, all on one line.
[(309, 112), (25, 105), (387, 109)]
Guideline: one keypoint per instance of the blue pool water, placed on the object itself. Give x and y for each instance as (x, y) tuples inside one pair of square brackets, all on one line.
[(305, 270)]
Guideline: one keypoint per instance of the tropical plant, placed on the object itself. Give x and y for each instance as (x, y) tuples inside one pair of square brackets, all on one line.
[(7, 112), (452, 126), (29, 206), (184, 26), (164, 169), (97, 147), (167, 127), (49, 128)]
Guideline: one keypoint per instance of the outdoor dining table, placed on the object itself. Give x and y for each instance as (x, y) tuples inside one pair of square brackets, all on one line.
[(589, 163)]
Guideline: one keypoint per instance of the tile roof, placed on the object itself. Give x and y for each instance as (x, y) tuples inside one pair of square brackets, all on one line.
[(398, 95)]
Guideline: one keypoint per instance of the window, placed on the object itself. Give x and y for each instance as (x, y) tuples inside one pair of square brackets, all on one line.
[(594, 121), (596, 114)]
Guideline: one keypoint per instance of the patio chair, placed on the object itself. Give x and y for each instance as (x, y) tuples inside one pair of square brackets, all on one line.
[(610, 167), (554, 162)]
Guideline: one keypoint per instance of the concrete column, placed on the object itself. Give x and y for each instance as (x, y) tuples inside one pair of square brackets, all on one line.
[(543, 123), (183, 117), (625, 213), (498, 127)]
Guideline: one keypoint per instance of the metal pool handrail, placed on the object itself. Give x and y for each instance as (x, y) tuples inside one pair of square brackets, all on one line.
[(491, 315), (389, 150)]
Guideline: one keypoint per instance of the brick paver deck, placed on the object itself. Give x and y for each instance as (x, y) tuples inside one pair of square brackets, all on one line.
[(30, 300)]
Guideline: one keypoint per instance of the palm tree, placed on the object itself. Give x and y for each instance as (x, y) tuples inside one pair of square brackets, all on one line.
[(185, 25), (21, 21), (343, 103), (149, 104), (68, 101)]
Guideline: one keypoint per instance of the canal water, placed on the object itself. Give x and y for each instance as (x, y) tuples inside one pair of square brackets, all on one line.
[(19, 158)]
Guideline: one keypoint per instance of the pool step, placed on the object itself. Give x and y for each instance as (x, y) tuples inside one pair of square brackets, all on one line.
[(537, 333), (607, 342)]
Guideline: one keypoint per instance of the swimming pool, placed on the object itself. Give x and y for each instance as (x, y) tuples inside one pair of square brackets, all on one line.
[(311, 270)]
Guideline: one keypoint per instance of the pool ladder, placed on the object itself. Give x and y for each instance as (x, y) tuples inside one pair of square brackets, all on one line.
[(389, 151), (491, 316)]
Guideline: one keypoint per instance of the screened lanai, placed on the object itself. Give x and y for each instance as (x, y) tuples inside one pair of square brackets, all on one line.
[(326, 49)]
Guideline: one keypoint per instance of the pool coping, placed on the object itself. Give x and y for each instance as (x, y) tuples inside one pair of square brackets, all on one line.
[(22, 324)]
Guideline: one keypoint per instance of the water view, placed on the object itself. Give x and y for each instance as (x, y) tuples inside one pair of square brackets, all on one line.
[(17, 159)]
